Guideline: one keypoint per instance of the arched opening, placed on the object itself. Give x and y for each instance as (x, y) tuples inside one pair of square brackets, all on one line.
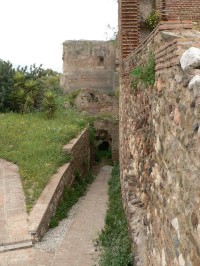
[(100, 61), (103, 146)]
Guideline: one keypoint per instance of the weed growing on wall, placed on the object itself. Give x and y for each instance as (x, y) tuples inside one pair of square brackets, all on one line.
[(114, 241), (144, 75), (153, 19)]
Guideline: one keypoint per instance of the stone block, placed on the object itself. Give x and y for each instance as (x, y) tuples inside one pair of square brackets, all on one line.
[(190, 59)]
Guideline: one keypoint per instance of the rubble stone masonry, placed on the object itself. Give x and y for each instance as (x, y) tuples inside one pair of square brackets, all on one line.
[(159, 152)]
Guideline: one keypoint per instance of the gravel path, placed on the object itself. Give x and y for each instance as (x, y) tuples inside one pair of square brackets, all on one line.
[(54, 236), (72, 242)]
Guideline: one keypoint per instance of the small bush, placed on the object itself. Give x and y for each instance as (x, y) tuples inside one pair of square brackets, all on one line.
[(49, 104), (22, 89), (153, 19), (71, 97), (144, 74), (6, 84)]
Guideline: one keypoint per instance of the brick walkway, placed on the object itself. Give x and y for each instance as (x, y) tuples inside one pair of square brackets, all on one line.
[(13, 216), (77, 247)]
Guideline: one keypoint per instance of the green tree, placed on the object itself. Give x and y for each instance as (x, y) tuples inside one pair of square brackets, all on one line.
[(24, 89), (6, 84)]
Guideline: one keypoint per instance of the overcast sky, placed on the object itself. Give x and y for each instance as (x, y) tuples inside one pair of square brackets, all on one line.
[(32, 31)]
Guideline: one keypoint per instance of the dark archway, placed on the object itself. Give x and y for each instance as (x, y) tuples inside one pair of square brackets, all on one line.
[(103, 146)]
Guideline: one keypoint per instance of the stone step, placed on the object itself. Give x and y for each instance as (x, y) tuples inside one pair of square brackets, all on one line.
[(15, 245)]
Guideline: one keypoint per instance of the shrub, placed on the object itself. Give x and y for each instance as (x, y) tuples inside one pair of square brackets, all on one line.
[(144, 74), (22, 90), (71, 97), (49, 104), (6, 84), (153, 19), (26, 94)]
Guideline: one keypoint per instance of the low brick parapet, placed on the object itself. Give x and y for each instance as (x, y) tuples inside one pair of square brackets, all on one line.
[(47, 203)]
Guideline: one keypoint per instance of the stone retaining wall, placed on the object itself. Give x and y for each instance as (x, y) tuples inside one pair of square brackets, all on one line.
[(159, 152), (79, 149)]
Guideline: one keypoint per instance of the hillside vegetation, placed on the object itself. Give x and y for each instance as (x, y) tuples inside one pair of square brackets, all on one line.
[(35, 143), (34, 124)]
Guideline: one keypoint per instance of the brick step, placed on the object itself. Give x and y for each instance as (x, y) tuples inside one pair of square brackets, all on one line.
[(16, 245), (12, 240)]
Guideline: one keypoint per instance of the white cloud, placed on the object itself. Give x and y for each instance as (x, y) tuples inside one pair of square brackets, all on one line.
[(33, 31)]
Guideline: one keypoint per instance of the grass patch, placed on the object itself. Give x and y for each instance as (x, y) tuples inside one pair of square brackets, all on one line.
[(106, 156), (35, 144), (114, 242), (70, 197)]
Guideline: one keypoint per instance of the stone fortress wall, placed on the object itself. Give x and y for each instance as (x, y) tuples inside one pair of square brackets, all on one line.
[(89, 64), (159, 140)]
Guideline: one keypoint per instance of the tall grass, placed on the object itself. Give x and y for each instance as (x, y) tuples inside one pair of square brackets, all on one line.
[(35, 143), (114, 241)]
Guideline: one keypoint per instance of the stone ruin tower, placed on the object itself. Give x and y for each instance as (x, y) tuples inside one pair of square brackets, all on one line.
[(89, 64)]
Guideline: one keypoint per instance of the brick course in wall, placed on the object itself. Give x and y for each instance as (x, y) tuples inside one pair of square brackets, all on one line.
[(179, 9), (128, 27)]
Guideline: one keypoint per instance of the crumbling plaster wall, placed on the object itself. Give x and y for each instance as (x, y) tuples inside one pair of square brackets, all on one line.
[(159, 152)]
